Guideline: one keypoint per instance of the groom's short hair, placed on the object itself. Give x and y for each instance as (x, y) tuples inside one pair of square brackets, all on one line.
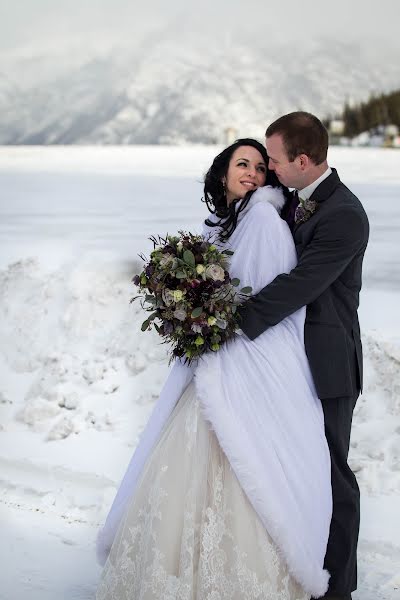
[(302, 133)]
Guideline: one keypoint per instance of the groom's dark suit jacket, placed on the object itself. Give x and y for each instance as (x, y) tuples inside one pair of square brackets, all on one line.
[(330, 249)]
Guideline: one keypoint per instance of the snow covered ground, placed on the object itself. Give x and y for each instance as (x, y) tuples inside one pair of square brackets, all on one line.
[(78, 379)]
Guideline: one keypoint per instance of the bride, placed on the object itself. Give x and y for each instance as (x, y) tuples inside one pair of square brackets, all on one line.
[(228, 494)]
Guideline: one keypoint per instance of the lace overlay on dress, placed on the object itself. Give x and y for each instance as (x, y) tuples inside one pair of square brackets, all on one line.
[(190, 532)]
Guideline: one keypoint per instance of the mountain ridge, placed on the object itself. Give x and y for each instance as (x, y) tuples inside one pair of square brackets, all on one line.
[(169, 91)]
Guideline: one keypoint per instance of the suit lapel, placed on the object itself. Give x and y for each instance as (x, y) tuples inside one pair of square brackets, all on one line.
[(322, 193), (326, 187)]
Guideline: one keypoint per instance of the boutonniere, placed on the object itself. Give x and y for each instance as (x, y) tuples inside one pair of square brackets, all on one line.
[(305, 210)]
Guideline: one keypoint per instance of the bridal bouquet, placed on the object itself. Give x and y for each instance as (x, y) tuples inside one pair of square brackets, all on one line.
[(186, 287)]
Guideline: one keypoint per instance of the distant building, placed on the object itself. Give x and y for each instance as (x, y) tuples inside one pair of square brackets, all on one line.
[(391, 130), (396, 141), (362, 139), (391, 135), (376, 140), (231, 134), (336, 127), (382, 136)]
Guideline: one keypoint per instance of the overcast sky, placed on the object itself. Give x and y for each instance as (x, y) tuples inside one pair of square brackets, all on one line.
[(36, 23)]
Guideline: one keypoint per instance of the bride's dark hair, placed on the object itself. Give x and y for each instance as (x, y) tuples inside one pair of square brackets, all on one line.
[(214, 192)]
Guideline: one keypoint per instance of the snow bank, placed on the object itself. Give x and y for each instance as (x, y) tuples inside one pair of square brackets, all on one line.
[(73, 333), (78, 377)]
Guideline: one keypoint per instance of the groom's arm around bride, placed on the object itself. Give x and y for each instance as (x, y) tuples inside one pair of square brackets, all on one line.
[(330, 231)]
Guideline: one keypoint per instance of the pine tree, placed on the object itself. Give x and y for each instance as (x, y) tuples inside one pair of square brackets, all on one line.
[(378, 110)]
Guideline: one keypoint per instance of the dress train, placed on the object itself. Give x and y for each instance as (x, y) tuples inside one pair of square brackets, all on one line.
[(189, 532)]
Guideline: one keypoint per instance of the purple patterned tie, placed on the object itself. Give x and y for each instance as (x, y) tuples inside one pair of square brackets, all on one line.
[(292, 210)]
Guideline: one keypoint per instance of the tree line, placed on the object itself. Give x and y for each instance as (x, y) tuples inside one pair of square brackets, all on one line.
[(378, 110)]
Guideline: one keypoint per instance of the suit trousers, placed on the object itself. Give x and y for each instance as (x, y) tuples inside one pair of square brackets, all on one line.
[(341, 554)]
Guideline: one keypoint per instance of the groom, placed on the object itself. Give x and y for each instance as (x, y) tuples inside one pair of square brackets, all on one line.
[(330, 230)]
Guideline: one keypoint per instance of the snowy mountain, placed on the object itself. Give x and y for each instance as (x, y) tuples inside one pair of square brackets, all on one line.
[(175, 89)]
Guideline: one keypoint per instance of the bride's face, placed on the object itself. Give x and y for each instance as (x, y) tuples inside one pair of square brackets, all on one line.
[(247, 171)]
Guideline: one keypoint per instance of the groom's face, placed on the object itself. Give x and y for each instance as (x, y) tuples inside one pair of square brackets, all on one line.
[(288, 173)]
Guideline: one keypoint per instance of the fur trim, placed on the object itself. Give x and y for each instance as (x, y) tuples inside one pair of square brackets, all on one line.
[(268, 194)]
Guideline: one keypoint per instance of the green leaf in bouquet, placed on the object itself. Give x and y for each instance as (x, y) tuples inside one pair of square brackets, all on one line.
[(188, 257), (180, 275), (228, 252), (247, 290), (197, 312), (215, 339), (150, 299), (145, 325), (152, 316), (235, 281)]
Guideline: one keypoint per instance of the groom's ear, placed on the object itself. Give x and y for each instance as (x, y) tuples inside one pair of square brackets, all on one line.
[(303, 161)]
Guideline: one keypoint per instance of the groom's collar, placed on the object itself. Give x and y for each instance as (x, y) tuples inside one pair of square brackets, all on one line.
[(326, 187), (308, 191)]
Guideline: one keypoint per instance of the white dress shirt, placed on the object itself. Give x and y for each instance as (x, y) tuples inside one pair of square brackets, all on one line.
[(306, 192)]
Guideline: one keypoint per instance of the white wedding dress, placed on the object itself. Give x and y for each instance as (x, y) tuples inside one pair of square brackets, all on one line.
[(190, 532), (228, 496)]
